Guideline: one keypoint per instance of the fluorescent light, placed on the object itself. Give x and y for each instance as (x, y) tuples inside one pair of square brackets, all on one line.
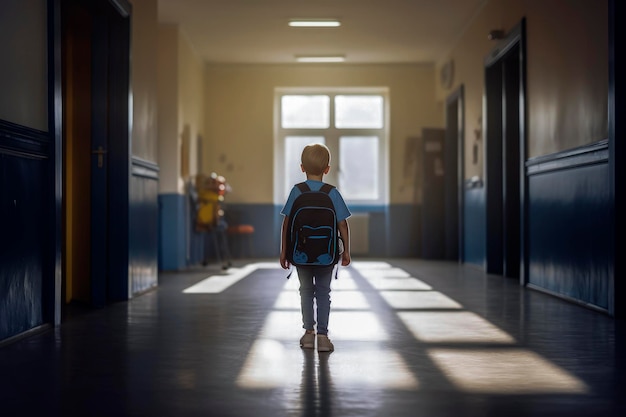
[(314, 23), (333, 58)]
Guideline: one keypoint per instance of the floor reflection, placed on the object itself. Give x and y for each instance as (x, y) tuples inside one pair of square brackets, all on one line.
[(316, 387)]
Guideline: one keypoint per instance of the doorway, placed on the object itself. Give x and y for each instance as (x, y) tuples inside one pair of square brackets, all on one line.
[(454, 175), (505, 155), (95, 47), (76, 56)]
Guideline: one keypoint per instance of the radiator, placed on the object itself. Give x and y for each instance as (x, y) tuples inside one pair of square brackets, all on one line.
[(359, 233)]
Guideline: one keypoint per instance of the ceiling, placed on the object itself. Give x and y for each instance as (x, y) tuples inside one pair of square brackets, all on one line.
[(372, 31)]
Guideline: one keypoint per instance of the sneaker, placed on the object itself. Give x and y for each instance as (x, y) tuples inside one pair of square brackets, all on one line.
[(324, 344), (307, 341)]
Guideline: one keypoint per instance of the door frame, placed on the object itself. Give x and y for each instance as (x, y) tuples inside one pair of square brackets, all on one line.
[(617, 154), (494, 109)]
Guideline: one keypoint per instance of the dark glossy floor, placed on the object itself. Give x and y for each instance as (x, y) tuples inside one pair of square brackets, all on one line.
[(412, 338)]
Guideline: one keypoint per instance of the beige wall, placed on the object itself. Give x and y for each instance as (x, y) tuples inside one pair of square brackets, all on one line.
[(567, 88), (567, 71), (568, 74), (167, 94), (239, 115), (181, 108), (190, 104), (144, 41), (24, 69)]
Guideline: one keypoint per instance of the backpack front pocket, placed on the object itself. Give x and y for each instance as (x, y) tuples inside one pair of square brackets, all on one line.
[(314, 245)]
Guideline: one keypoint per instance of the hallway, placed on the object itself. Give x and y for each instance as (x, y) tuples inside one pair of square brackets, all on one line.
[(412, 338)]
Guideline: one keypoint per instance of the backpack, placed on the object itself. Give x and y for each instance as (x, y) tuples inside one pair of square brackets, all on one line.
[(312, 234)]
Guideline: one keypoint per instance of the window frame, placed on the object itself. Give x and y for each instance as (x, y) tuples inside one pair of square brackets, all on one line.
[(332, 136)]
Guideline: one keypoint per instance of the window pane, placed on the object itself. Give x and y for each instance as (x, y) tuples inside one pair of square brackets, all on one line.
[(358, 162), (305, 112), (293, 153), (364, 112)]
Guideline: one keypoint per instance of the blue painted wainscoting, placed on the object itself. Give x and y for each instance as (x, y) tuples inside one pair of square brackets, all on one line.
[(393, 231), (173, 230), (569, 224), (475, 223), (144, 226), (26, 227)]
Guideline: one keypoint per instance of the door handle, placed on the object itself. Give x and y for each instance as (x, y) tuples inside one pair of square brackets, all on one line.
[(100, 152)]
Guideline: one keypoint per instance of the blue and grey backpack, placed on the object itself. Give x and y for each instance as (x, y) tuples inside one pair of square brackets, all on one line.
[(312, 236)]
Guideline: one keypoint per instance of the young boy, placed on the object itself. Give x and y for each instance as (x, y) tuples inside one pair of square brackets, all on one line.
[(315, 281)]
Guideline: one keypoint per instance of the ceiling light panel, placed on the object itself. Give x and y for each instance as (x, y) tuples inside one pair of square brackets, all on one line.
[(334, 58), (315, 23)]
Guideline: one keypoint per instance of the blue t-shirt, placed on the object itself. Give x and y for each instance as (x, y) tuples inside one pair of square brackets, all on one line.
[(341, 209)]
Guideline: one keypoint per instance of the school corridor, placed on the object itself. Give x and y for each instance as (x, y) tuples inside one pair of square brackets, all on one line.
[(412, 338)]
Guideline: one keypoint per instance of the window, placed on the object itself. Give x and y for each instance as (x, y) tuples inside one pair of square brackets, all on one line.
[(351, 122)]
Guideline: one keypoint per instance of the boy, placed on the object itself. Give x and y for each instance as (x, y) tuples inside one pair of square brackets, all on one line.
[(315, 281)]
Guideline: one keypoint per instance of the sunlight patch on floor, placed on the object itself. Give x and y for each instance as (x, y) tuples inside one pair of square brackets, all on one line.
[(369, 265), (217, 283), (344, 300), (271, 364), (505, 371), (383, 272), (419, 300), (344, 325), (348, 300), (376, 368), (275, 359), (356, 326), (392, 283), (502, 370), (367, 362), (453, 326)]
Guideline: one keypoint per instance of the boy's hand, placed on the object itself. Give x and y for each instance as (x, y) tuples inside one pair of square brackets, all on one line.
[(345, 259), (284, 263)]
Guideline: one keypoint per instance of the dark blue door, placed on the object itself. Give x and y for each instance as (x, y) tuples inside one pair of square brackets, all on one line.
[(110, 154)]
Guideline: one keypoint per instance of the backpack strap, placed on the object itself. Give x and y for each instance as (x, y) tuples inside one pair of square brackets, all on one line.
[(327, 188), (303, 187)]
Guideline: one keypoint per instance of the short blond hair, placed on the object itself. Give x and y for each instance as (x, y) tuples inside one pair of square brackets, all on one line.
[(315, 158)]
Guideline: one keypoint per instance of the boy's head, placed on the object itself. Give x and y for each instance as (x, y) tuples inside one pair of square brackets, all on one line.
[(315, 159)]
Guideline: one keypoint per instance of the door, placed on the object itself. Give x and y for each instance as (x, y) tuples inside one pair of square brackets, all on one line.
[(99, 159), (433, 195), (96, 92), (504, 156), (454, 174)]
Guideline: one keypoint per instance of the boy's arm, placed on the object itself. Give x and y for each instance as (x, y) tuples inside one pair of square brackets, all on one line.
[(284, 263), (344, 232)]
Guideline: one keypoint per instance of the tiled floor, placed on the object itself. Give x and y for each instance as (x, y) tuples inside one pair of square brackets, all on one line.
[(412, 338)]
